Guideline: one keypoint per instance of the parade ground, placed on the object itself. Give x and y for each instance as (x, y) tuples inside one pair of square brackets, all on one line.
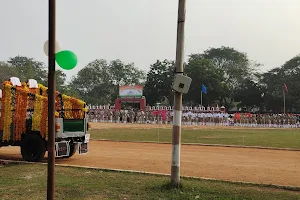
[(195, 134), (256, 165)]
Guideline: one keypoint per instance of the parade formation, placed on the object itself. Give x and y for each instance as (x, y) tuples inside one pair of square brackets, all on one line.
[(192, 117)]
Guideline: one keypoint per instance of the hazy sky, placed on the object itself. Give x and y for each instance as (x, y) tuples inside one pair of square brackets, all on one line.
[(142, 31)]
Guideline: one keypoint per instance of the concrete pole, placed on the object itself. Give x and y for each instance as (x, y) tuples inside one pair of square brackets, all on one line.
[(176, 134), (51, 100)]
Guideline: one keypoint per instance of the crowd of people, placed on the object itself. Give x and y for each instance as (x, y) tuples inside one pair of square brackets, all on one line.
[(195, 117)]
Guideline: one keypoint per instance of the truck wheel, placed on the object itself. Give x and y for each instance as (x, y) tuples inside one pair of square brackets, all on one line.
[(72, 150), (33, 147)]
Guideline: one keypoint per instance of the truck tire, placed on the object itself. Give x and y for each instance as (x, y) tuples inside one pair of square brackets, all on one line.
[(72, 150), (33, 147)]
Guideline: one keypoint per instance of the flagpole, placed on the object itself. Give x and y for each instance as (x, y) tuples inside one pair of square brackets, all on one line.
[(283, 100), (201, 98)]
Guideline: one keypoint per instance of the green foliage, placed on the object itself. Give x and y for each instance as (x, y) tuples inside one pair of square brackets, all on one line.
[(27, 68), (99, 81), (221, 70), (249, 94), (60, 81), (202, 71), (125, 74), (7, 71), (230, 76), (70, 90), (159, 82), (272, 83), (236, 67)]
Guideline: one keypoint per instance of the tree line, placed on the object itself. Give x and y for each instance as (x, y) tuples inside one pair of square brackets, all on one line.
[(231, 78)]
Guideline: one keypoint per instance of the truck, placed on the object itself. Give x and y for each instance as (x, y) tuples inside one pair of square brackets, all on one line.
[(24, 120)]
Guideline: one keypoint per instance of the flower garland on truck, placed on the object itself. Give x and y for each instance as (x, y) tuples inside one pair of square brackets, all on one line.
[(6, 111), (18, 100), (20, 114)]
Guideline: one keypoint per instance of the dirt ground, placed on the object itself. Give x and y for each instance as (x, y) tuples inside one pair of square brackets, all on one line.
[(235, 164)]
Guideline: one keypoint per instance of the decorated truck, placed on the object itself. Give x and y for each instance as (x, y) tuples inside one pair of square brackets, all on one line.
[(24, 120)]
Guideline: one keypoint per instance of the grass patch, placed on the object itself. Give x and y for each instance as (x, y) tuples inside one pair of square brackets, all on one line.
[(28, 181), (280, 138)]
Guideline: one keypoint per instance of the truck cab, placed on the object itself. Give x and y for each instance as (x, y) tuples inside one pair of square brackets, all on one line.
[(24, 115)]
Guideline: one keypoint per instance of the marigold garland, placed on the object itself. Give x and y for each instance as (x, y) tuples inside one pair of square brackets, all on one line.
[(33, 90), (3, 104), (37, 114), (2, 108), (23, 100), (43, 90), (57, 102), (44, 117), (20, 113), (7, 115), (67, 106), (24, 107), (77, 108), (23, 113)]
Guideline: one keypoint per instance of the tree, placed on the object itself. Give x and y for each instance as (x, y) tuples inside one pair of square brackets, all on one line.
[(9, 71), (273, 81), (202, 71), (249, 94), (27, 68), (99, 81), (235, 65), (158, 86), (125, 74), (60, 81), (290, 75), (92, 82)]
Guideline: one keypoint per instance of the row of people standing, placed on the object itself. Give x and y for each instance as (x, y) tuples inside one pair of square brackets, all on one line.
[(194, 118)]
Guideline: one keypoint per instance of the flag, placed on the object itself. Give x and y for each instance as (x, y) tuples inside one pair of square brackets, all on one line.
[(285, 88), (204, 90)]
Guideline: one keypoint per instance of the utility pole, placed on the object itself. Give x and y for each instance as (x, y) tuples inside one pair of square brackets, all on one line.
[(176, 133), (51, 99)]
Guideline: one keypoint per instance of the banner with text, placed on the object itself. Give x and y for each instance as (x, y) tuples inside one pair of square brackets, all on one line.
[(131, 91)]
